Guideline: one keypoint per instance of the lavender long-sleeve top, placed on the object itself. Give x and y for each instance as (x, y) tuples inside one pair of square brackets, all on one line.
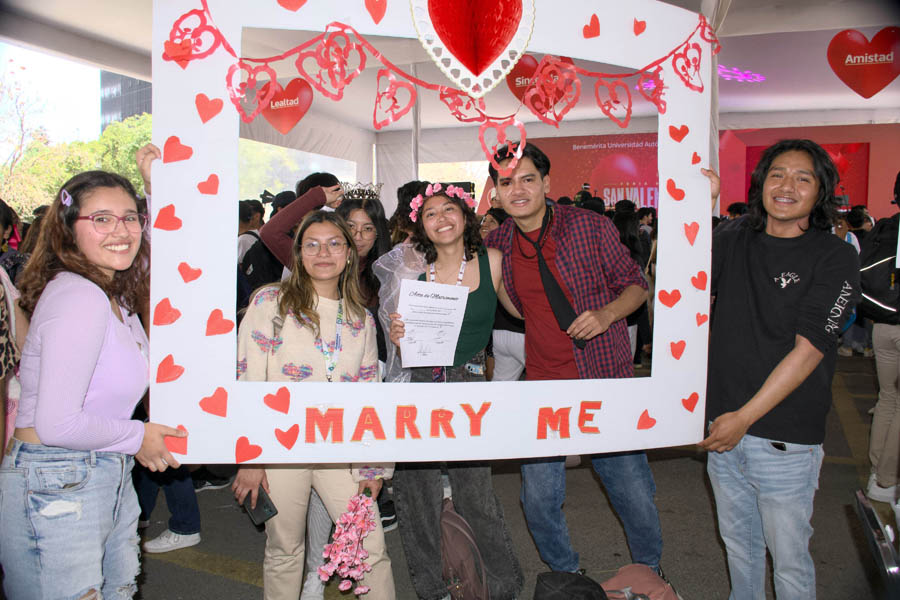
[(83, 371)]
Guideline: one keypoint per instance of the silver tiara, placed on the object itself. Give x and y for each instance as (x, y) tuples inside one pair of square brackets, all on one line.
[(361, 191)]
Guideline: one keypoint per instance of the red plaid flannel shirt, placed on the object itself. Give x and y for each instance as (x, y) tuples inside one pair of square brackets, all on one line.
[(595, 267)]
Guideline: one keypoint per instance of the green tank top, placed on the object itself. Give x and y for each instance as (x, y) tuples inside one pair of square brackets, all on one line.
[(478, 320)]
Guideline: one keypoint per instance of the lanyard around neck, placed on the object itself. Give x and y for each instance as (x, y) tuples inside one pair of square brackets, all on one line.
[(459, 278), (331, 356)]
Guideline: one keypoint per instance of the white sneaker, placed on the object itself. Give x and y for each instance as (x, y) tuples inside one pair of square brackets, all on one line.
[(169, 540), (881, 494), (313, 587), (845, 351)]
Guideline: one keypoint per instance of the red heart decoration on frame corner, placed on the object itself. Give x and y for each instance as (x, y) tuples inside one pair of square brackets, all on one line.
[(244, 450), (210, 187), (376, 9), (669, 299), (217, 404), (690, 403), (592, 29), (701, 319), (207, 108), (287, 105), (677, 348), (639, 27), (674, 191), (690, 231), (288, 438), (862, 65), (167, 370), (166, 219), (699, 280), (174, 150), (646, 421), (280, 400), (678, 133), (177, 445), (188, 273), (217, 324), (165, 313)]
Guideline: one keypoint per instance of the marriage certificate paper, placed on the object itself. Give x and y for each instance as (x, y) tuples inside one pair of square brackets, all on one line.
[(432, 314)]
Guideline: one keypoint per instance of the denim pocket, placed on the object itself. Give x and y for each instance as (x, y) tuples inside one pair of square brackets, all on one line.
[(60, 478), (778, 448)]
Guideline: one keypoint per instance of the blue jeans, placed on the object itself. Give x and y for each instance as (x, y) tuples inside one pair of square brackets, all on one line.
[(181, 499), (629, 484), (68, 523), (764, 498)]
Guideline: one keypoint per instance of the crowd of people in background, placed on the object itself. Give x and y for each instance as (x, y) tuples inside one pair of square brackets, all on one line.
[(559, 289)]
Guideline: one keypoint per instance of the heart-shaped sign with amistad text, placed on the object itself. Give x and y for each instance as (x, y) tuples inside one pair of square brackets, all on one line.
[(866, 67)]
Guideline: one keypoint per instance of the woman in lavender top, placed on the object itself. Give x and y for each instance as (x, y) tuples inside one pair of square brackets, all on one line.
[(68, 510)]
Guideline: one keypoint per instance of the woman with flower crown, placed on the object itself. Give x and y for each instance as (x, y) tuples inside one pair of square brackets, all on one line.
[(447, 233)]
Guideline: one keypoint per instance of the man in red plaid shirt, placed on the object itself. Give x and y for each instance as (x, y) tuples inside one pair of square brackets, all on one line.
[(603, 285)]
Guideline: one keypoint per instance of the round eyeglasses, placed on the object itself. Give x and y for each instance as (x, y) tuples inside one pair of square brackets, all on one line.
[(107, 223), (365, 231), (312, 247)]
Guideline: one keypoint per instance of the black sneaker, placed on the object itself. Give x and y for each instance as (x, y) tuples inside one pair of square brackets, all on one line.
[(388, 516), (205, 480)]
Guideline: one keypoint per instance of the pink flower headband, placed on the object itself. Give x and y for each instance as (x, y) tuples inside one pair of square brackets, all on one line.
[(434, 189)]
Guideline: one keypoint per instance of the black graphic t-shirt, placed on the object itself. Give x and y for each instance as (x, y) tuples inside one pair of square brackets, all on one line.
[(768, 290)]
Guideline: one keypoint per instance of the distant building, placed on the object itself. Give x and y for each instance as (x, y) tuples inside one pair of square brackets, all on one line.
[(122, 97)]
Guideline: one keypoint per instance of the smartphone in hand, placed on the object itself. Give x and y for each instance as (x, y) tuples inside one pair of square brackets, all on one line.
[(265, 508)]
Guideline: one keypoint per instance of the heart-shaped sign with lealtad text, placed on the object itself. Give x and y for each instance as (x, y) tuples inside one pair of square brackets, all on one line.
[(288, 105), (866, 67)]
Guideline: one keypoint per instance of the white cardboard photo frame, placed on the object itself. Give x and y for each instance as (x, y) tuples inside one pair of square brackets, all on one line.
[(666, 409)]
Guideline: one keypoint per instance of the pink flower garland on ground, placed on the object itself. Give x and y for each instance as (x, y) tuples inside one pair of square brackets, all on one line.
[(433, 189), (346, 555)]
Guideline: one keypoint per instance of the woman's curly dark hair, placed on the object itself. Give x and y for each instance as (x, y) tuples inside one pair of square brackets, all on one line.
[(56, 250), (471, 231), (824, 211)]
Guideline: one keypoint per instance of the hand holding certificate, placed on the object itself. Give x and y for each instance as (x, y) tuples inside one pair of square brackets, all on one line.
[(432, 315)]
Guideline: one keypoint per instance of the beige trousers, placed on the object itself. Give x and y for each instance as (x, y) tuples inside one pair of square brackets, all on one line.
[(286, 532), (884, 443)]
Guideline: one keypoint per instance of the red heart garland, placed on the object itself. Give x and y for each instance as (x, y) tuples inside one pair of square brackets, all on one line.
[(699, 281), (690, 231), (167, 370), (376, 9), (177, 445), (217, 324), (165, 313), (501, 141), (617, 104), (280, 400), (462, 106), (863, 65), (207, 108), (669, 299), (188, 273), (191, 38), (331, 55), (166, 219), (678, 133), (289, 437), (216, 404), (651, 87), (174, 150), (238, 90), (690, 403), (556, 82), (210, 187), (288, 105), (674, 191), (677, 348), (687, 66), (592, 29), (386, 101), (244, 450), (646, 421)]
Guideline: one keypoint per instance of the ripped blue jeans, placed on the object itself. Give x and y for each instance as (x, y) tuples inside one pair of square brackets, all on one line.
[(68, 523)]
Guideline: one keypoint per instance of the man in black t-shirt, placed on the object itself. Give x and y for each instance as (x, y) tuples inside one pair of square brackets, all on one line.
[(783, 287)]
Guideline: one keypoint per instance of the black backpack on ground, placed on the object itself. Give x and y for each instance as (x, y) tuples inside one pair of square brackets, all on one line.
[(258, 268), (879, 277)]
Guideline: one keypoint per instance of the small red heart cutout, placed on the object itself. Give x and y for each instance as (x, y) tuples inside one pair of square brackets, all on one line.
[(244, 450), (280, 400), (670, 299), (288, 438), (646, 421), (678, 133), (376, 9), (217, 404), (695, 159), (690, 403), (701, 319), (176, 445), (166, 219), (639, 27), (180, 52), (677, 348), (690, 231), (291, 4), (188, 273), (168, 370), (174, 150), (699, 280), (674, 191), (165, 313), (592, 29), (217, 324), (209, 187), (207, 108)]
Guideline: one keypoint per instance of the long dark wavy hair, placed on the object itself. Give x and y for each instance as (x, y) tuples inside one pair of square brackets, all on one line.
[(56, 250), (824, 211), (471, 231), (375, 211), (297, 292)]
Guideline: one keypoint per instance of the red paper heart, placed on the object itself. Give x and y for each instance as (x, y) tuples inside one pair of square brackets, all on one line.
[(168, 370), (179, 52), (677, 348), (678, 133), (701, 319), (239, 90), (332, 64), (646, 421), (217, 404), (166, 219), (690, 231), (174, 150), (244, 450), (669, 299), (288, 105), (592, 29), (288, 438), (376, 10), (386, 104), (500, 129), (699, 280), (280, 400), (695, 159), (687, 66), (293, 5), (690, 403), (674, 191), (207, 108), (639, 27), (188, 273), (165, 314), (617, 101), (556, 91), (869, 71), (209, 187), (476, 32), (217, 324), (522, 76), (177, 445)]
